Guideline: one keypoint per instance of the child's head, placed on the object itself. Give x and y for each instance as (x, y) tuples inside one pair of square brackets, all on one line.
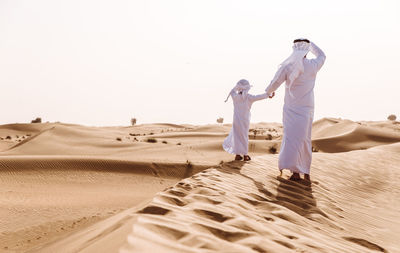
[(242, 86)]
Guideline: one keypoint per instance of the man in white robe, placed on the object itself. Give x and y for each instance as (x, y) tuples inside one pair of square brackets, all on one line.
[(299, 73), (237, 141)]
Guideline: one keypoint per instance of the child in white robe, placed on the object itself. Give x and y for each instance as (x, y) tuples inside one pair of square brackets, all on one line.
[(237, 141)]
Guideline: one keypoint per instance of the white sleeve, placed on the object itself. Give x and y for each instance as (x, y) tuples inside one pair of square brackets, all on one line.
[(279, 78), (319, 61), (254, 98)]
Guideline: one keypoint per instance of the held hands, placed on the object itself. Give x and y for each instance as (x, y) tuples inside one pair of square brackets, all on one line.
[(272, 95)]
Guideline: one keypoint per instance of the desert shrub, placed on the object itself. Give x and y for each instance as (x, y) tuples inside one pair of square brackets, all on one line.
[(220, 120), (254, 133), (165, 142), (151, 133), (8, 137), (118, 139), (133, 121), (189, 164), (272, 150), (392, 117), (179, 143), (37, 120), (269, 137), (151, 140)]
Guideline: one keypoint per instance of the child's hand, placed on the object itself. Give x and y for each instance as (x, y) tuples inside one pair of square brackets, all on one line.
[(272, 95)]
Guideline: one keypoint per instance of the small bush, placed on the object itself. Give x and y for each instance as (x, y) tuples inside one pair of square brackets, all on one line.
[(118, 139), (392, 117), (269, 137), (189, 164), (220, 120), (37, 120), (272, 150), (151, 140), (165, 142), (8, 137), (179, 143), (133, 121)]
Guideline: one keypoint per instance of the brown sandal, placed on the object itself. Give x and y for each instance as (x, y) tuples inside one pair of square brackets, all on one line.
[(238, 158), (295, 177), (247, 158)]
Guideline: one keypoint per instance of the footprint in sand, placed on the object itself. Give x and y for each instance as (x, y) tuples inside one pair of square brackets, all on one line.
[(365, 243), (212, 215), (154, 210)]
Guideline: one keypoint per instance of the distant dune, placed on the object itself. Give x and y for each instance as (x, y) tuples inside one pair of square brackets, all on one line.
[(332, 136), (73, 188)]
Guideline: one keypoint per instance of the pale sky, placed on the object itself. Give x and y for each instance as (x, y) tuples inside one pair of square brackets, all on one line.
[(96, 62)]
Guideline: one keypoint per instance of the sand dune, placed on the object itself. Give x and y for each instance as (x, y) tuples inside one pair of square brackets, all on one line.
[(332, 136), (247, 208), (59, 183), (351, 206), (46, 197)]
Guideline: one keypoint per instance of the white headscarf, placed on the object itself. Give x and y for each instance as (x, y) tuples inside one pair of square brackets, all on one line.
[(295, 60), (242, 86)]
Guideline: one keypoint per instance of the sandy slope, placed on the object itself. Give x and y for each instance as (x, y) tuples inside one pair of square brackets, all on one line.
[(351, 206), (44, 199), (56, 180)]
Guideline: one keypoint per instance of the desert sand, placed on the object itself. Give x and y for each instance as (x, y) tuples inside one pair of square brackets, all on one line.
[(171, 188)]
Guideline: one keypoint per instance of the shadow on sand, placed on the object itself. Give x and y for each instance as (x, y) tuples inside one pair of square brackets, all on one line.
[(296, 196)]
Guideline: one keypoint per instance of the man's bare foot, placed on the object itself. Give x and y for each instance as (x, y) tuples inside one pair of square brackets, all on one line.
[(295, 177), (247, 158), (238, 158), (307, 177)]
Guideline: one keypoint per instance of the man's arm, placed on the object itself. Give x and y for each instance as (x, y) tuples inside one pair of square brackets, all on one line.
[(279, 78), (319, 61)]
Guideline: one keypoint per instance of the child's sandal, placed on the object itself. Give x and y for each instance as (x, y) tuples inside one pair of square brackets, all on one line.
[(247, 158)]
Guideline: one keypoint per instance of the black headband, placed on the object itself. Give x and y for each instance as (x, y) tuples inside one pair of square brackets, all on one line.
[(301, 40)]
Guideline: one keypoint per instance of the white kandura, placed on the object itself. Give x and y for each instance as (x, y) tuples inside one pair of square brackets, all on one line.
[(298, 110), (237, 141)]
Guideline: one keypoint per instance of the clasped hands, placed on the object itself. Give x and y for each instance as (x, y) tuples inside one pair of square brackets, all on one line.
[(272, 95)]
